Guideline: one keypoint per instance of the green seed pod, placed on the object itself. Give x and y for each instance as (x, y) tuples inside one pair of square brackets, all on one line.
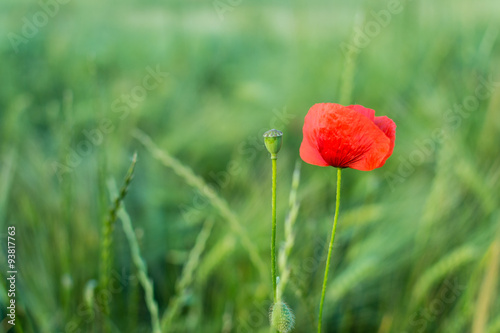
[(273, 140), (282, 317)]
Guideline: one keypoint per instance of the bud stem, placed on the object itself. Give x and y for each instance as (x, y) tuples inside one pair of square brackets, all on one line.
[(273, 237), (273, 140)]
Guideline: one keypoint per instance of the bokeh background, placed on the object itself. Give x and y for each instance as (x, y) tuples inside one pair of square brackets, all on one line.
[(191, 86)]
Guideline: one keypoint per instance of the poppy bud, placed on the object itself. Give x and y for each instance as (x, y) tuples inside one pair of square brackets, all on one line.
[(273, 140), (282, 317)]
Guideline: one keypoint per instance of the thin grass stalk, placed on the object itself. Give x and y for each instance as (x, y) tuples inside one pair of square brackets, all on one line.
[(107, 235), (487, 293), (290, 219), (139, 263)]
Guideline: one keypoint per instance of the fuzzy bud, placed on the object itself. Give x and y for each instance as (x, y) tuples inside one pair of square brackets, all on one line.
[(282, 317)]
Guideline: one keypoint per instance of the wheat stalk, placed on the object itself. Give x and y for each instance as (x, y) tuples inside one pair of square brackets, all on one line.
[(139, 262), (291, 217), (107, 235)]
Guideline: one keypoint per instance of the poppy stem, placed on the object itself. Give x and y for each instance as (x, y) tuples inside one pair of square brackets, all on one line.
[(273, 140), (273, 237), (332, 239)]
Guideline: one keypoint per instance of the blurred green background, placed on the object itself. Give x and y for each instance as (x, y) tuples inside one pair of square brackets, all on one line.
[(418, 241)]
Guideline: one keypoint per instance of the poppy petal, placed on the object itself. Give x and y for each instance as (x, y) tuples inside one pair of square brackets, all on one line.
[(364, 111), (309, 148), (387, 126), (309, 154)]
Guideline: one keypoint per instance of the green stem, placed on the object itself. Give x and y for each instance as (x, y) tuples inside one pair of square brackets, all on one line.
[(332, 239), (273, 239)]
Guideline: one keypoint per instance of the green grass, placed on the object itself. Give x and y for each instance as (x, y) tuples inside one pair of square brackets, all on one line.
[(408, 233)]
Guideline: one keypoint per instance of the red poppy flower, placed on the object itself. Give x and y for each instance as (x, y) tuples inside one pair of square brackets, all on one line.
[(346, 137)]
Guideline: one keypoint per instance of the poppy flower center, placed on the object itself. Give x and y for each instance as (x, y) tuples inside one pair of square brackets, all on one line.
[(341, 153)]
